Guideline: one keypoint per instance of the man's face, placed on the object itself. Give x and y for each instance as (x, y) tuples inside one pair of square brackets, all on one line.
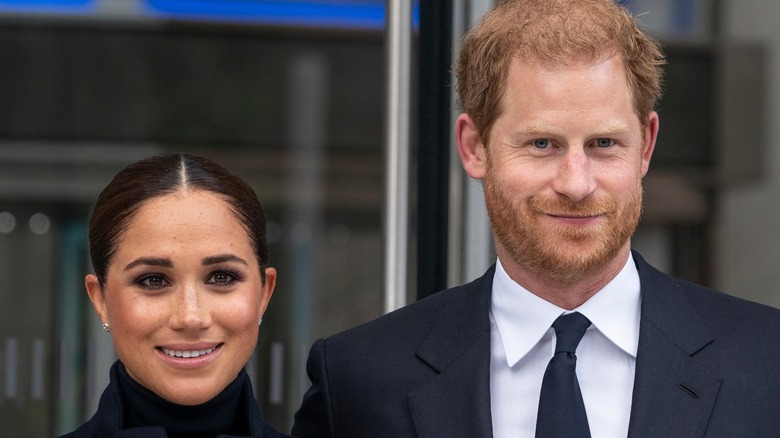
[(563, 168)]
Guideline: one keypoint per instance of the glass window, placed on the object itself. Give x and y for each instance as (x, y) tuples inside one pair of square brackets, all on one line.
[(296, 111)]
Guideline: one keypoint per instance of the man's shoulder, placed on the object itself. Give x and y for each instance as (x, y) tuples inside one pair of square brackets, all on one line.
[(722, 312), (414, 321), (732, 313)]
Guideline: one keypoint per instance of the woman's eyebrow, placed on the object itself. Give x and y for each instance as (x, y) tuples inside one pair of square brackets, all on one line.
[(213, 260), (152, 261)]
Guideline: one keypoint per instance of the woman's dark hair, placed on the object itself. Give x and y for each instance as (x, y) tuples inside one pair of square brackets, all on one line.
[(161, 175)]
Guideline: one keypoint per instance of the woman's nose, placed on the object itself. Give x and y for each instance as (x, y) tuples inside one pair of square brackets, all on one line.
[(190, 312)]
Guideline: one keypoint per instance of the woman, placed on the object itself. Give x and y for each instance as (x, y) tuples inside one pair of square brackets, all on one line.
[(181, 283)]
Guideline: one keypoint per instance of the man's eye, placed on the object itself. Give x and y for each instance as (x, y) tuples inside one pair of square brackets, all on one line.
[(153, 282), (541, 144), (604, 142)]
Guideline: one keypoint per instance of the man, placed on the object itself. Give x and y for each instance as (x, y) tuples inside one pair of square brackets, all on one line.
[(558, 123)]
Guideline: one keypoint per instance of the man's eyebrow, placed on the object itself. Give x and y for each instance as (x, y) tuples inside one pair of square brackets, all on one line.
[(613, 129), (531, 130), (213, 260), (151, 261)]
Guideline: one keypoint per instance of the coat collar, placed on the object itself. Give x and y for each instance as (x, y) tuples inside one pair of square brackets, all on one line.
[(107, 421), (456, 403), (673, 393)]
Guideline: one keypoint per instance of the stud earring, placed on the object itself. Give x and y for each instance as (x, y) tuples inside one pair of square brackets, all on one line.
[(106, 328), (260, 321)]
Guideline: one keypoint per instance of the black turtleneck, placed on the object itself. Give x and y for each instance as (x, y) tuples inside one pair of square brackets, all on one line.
[(226, 413)]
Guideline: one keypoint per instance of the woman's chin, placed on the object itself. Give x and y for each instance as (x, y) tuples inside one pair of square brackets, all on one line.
[(188, 397)]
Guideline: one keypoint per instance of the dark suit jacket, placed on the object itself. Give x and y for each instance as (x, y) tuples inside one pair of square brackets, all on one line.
[(708, 365)]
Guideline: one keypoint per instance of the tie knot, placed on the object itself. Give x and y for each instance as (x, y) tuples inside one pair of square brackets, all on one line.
[(569, 330)]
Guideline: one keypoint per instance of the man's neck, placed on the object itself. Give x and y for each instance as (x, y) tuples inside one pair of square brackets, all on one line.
[(567, 295)]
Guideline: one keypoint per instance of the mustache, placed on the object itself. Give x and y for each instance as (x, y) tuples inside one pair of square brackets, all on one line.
[(566, 207)]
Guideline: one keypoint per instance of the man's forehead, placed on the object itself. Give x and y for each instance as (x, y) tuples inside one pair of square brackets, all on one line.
[(561, 61)]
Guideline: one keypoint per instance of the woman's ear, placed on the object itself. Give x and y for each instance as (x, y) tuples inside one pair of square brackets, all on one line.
[(96, 295), (268, 289)]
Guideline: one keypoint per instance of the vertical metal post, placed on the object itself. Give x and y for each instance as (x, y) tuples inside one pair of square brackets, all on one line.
[(306, 133), (399, 37), (457, 182), (470, 249)]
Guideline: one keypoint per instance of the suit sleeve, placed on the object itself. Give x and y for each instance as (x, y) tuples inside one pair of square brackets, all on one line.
[(314, 418)]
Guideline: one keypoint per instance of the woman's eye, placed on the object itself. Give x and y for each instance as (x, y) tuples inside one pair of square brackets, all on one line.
[(541, 143), (153, 282), (604, 142), (221, 278)]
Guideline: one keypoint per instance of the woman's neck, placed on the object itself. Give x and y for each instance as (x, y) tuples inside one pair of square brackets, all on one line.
[(227, 413)]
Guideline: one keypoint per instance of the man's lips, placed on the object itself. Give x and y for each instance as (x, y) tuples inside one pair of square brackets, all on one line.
[(575, 216), (576, 220)]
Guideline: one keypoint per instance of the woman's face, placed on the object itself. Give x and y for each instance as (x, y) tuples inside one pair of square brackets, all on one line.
[(183, 296)]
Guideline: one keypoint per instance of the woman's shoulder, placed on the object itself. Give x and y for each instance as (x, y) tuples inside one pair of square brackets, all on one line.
[(269, 432), (85, 431)]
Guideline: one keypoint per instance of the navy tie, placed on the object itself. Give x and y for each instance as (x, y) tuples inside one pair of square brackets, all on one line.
[(561, 409)]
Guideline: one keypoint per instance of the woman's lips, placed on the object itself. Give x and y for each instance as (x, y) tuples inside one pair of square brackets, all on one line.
[(187, 353)]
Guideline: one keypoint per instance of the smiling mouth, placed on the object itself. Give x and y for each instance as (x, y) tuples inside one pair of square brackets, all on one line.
[(188, 354)]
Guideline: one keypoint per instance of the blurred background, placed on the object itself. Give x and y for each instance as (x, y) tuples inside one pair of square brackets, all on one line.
[(367, 207)]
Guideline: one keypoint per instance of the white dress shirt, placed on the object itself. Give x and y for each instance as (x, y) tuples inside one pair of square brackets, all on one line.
[(522, 342)]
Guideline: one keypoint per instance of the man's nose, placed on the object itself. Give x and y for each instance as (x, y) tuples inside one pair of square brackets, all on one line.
[(573, 178)]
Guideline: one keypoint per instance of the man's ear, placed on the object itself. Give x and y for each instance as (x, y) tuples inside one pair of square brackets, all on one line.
[(470, 147), (97, 297), (650, 136)]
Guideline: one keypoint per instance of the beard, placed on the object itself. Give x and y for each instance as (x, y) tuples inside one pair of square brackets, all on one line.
[(563, 254)]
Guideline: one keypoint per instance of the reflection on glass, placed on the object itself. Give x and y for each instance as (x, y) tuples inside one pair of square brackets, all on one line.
[(298, 116)]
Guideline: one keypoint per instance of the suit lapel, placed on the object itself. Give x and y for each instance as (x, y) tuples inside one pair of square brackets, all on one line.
[(673, 393), (456, 403)]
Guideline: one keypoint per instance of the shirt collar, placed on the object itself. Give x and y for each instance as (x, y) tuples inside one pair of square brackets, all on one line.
[(523, 318)]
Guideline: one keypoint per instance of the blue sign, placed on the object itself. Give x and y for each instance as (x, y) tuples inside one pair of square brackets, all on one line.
[(334, 13), (48, 6)]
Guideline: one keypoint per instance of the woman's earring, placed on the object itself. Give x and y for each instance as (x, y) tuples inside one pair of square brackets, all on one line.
[(260, 321), (106, 327)]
